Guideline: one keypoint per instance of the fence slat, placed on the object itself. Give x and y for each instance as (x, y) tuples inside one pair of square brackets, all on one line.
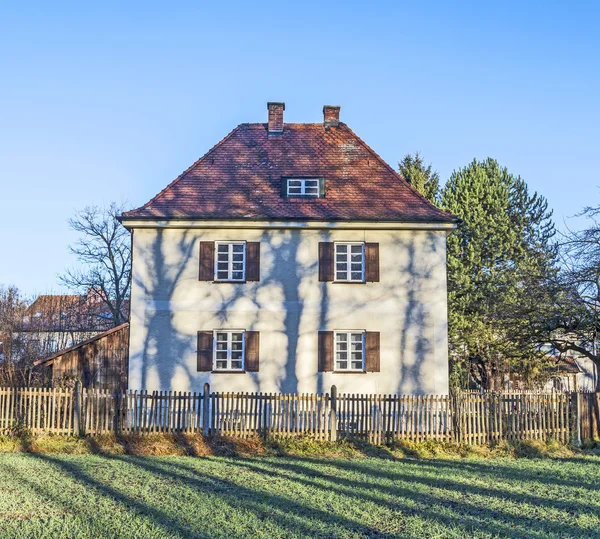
[(470, 417)]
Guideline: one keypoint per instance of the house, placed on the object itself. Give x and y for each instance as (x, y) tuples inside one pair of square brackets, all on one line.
[(572, 370), (289, 258), (100, 362), (53, 322)]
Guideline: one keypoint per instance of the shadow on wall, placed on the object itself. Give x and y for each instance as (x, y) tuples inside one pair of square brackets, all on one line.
[(417, 336), (162, 339), (287, 255)]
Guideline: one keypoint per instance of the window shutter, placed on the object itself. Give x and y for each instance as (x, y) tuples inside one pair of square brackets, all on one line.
[(252, 261), (207, 261), (321, 187), (372, 351), (205, 351), (284, 188), (326, 266), (251, 347), (325, 351), (372, 262)]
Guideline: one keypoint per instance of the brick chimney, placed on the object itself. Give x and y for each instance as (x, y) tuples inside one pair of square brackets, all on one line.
[(275, 124), (331, 115)]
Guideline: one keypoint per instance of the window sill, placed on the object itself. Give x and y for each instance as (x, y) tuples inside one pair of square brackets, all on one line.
[(349, 282), (223, 371), (349, 372), (229, 282)]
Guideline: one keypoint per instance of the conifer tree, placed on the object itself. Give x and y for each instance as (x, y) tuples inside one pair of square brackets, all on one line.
[(501, 269), (420, 176)]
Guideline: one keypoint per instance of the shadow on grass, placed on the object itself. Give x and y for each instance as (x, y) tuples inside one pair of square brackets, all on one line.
[(408, 495), (440, 492), (471, 516), (287, 514)]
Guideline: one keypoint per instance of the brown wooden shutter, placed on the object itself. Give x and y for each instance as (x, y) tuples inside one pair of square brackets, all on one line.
[(321, 187), (252, 261), (251, 347), (207, 261), (372, 262), (326, 265), (372, 351), (325, 351), (205, 351)]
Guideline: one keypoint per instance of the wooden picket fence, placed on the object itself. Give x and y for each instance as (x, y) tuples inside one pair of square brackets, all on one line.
[(468, 417)]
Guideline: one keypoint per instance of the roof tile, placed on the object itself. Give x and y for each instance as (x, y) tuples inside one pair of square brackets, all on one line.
[(240, 178)]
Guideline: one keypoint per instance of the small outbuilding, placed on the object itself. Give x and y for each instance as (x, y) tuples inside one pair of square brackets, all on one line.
[(101, 362)]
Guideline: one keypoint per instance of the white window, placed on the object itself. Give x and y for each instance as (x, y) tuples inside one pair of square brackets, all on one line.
[(350, 262), (230, 262), (349, 350), (229, 350), (303, 188)]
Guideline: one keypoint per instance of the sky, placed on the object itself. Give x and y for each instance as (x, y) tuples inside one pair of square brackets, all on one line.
[(104, 102)]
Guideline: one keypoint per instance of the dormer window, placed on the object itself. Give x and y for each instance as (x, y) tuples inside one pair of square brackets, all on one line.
[(303, 187)]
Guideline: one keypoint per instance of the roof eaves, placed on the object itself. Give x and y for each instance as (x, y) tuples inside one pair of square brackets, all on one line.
[(80, 344)]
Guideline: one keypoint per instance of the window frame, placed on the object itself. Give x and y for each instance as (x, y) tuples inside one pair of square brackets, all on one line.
[(303, 188), (348, 262), (229, 350), (349, 333), (230, 262)]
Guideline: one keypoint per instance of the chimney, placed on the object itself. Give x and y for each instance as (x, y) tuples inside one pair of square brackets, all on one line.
[(275, 124), (331, 115)]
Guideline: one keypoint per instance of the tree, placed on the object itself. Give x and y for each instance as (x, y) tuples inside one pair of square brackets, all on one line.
[(501, 269), (104, 252), (421, 177), (575, 324), (19, 348)]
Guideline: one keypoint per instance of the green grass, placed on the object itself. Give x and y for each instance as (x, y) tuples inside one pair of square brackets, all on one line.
[(51, 495)]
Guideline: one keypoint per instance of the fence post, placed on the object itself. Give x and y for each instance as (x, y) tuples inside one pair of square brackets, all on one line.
[(78, 426), (206, 410), (333, 415), (455, 416), (116, 413), (575, 419)]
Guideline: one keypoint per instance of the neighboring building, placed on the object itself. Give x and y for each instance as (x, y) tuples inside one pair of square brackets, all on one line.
[(99, 363), (564, 376), (289, 258), (573, 370), (54, 322)]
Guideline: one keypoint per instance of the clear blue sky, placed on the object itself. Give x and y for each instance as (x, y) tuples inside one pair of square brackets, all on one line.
[(112, 101)]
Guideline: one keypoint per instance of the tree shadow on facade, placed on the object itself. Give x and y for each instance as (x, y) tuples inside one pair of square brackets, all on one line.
[(162, 339), (417, 334)]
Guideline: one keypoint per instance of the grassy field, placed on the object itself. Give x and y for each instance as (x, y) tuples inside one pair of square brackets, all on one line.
[(45, 495)]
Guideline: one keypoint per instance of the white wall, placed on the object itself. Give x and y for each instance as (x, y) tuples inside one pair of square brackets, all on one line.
[(289, 306)]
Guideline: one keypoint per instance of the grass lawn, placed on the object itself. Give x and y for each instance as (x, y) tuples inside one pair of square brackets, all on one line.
[(46, 495)]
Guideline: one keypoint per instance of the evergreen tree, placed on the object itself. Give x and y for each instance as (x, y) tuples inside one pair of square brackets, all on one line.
[(421, 177), (501, 269)]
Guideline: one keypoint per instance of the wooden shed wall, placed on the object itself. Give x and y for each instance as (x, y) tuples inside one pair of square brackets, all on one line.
[(102, 363)]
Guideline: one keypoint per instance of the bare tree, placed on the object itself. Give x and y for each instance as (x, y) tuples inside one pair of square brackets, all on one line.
[(19, 348), (104, 252), (575, 325)]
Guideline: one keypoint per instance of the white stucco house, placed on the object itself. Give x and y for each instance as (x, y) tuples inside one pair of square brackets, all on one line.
[(289, 258)]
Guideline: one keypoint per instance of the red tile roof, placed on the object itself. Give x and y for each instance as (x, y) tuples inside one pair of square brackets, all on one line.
[(567, 365), (240, 178)]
